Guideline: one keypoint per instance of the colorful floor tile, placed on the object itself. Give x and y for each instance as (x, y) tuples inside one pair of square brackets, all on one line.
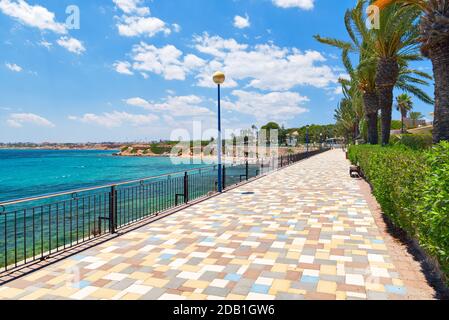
[(304, 232)]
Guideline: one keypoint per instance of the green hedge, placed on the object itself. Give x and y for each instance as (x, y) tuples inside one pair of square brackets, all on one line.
[(414, 141), (412, 188)]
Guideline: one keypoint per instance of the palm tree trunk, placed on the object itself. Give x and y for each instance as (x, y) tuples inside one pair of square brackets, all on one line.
[(440, 60), (386, 78), (371, 104), (386, 114), (403, 116)]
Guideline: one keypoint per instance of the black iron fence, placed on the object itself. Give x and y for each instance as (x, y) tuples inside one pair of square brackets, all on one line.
[(36, 228)]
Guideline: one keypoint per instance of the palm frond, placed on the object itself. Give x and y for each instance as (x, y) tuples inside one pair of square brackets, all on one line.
[(417, 92)]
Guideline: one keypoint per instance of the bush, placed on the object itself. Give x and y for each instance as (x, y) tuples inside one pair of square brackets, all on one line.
[(413, 141), (412, 188), (160, 149), (434, 229)]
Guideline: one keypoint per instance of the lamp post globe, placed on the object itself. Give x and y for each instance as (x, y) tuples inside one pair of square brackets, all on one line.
[(219, 78)]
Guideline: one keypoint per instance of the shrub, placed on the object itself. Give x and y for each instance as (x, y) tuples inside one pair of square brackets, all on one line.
[(413, 141), (395, 174), (434, 229), (412, 188), (160, 149)]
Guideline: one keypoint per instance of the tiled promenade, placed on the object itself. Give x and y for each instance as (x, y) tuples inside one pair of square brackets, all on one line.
[(304, 232)]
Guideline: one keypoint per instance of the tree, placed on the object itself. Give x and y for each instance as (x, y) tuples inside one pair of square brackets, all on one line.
[(362, 77), (404, 104), (345, 120), (416, 116), (315, 132), (268, 127), (434, 37), (393, 44), (365, 76), (354, 98)]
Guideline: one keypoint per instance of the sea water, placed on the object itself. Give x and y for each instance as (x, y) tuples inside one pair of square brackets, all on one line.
[(27, 173)]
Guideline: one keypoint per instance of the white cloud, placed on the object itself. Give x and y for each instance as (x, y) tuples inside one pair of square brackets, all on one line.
[(34, 16), (117, 119), (217, 46), (141, 26), (241, 22), (270, 106), (176, 106), (176, 27), (123, 67), (14, 67), (72, 45), (132, 7), (167, 61), (265, 66), (45, 44), (338, 90), (43, 19), (17, 120), (302, 4), (136, 20)]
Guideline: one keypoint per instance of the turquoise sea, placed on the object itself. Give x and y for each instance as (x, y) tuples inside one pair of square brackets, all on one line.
[(31, 230), (25, 173)]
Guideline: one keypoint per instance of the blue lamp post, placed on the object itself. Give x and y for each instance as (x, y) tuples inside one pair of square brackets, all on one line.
[(219, 79)]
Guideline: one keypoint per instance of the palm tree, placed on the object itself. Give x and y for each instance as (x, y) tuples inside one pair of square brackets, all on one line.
[(363, 89), (362, 77), (434, 36), (366, 75), (393, 44), (345, 119), (355, 102), (416, 116), (404, 104)]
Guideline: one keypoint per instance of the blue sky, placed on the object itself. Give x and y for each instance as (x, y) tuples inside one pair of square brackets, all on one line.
[(140, 69)]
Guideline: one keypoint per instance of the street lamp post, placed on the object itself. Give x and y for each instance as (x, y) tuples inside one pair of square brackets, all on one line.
[(219, 79)]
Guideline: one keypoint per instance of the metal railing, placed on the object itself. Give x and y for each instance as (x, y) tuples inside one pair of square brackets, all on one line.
[(36, 228)]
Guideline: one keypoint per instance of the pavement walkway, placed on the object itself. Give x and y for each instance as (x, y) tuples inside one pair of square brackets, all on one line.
[(304, 232)]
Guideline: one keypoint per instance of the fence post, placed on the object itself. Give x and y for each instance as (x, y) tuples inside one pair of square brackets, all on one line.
[(112, 209), (224, 177), (186, 187), (247, 170)]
